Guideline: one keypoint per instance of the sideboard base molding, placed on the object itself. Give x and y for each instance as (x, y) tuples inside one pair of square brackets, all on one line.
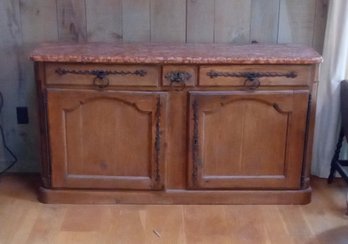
[(72, 196)]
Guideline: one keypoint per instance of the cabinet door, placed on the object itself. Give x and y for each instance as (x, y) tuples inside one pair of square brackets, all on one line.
[(246, 140), (106, 139)]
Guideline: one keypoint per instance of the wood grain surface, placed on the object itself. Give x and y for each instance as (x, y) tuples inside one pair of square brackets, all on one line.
[(168, 20), (232, 21), (72, 25), (264, 21), (136, 20), (25, 220), (104, 20), (200, 21), (296, 21)]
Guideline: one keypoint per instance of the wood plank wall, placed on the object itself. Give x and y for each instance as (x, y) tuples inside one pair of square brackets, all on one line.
[(25, 23)]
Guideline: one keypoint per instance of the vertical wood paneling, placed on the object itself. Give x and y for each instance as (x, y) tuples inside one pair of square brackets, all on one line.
[(168, 21), (39, 24), (264, 21), (72, 20), (39, 21), (136, 20), (104, 20), (232, 21), (320, 24), (296, 21), (10, 45), (200, 21), (10, 42)]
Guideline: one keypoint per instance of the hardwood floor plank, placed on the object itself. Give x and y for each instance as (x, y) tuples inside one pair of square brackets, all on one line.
[(24, 220), (276, 231), (48, 224), (162, 224), (26, 223), (10, 219), (245, 224), (126, 226), (89, 237), (297, 228), (87, 218), (206, 224)]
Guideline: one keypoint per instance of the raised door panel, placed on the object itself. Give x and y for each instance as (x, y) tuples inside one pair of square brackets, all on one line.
[(249, 140), (107, 139)]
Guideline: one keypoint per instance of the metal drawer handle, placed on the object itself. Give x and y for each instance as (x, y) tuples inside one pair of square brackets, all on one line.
[(251, 75), (252, 83), (100, 79), (251, 78), (178, 76), (98, 72), (101, 82)]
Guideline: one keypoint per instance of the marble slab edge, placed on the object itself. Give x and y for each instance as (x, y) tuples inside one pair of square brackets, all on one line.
[(175, 53)]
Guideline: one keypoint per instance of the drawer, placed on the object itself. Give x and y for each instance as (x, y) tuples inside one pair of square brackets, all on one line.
[(255, 75), (179, 75), (102, 75)]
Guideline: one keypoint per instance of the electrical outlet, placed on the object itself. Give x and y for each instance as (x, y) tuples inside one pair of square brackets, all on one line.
[(22, 115)]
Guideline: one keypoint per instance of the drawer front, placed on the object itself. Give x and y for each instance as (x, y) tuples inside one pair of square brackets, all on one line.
[(102, 75), (254, 76), (179, 75)]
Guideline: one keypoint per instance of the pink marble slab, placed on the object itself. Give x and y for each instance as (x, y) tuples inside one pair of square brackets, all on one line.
[(175, 53)]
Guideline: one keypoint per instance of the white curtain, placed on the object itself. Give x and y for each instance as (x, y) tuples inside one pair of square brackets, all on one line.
[(332, 71)]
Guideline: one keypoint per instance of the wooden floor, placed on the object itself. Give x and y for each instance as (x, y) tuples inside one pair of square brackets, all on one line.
[(24, 220)]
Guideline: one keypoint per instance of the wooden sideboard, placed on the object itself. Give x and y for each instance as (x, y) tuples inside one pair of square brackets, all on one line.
[(176, 123)]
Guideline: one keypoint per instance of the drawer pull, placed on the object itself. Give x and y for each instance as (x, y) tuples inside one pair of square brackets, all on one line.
[(251, 75), (100, 73), (178, 76), (101, 82), (251, 78), (252, 83), (100, 79)]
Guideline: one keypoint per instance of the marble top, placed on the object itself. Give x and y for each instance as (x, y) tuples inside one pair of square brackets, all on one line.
[(175, 53)]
